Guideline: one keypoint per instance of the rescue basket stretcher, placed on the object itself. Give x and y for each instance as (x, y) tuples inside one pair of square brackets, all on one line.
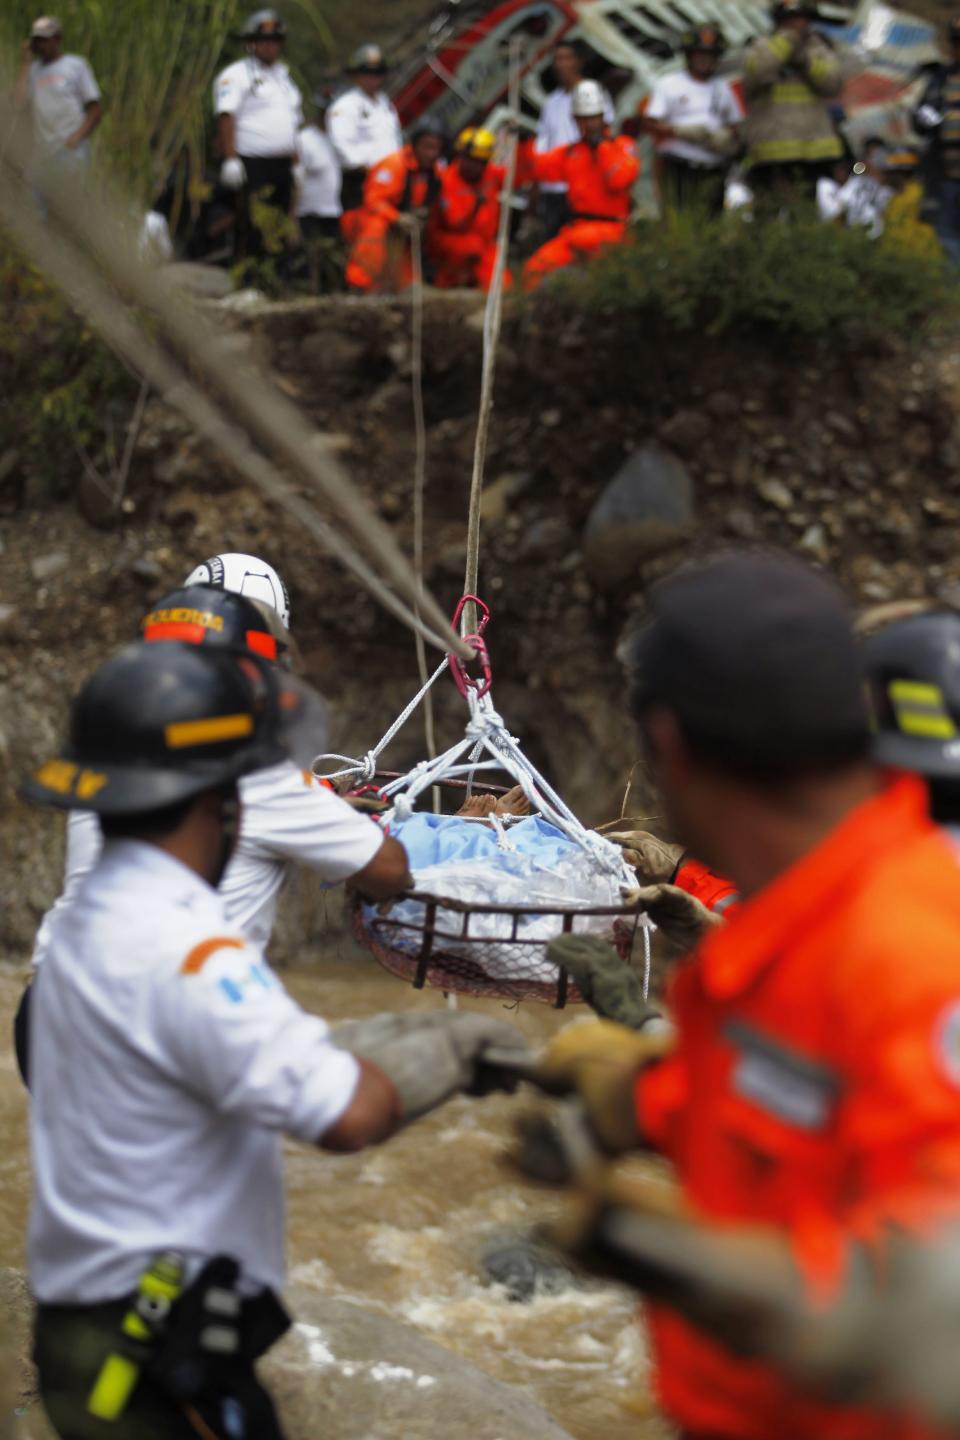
[(492, 948), (487, 940)]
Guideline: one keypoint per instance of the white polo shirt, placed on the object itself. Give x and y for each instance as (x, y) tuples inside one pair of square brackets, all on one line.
[(678, 99), (319, 192), (266, 106), (287, 818), (166, 1060), (557, 125), (363, 128)]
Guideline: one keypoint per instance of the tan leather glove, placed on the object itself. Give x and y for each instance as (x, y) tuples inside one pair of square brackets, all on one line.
[(653, 859), (598, 1061), (682, 918)]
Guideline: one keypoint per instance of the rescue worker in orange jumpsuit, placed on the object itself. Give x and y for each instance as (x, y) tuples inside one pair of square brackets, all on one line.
[(598, 171), (397, 196), (461, 238), (811, 1101)]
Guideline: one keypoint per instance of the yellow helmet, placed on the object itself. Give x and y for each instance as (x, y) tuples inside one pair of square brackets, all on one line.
[(477, 143)]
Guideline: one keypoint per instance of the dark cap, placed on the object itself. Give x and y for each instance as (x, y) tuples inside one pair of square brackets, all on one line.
[(755, 655)]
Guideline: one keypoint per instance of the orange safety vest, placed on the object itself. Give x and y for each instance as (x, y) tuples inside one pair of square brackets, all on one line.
[(462, 208), (816, 1089), (598, 178), (397, 184)]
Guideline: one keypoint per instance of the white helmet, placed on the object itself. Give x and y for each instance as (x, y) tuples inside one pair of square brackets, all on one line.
[(245, 575), (587, 98)]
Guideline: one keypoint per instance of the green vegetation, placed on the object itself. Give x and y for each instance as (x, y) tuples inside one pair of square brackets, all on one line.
[(70, 397), (779, 281)]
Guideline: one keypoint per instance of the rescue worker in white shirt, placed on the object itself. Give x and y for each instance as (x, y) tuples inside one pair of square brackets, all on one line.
[(169, 1061), (695, 119), (319, 180), (363, 123), (259, 112), (289, 817), (556, 126)]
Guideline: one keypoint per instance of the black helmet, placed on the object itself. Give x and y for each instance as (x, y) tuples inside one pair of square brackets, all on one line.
[(367, 60), (704, 37), (428, 125), (264, 25), (207, 615), (157, 724), (913, 672)]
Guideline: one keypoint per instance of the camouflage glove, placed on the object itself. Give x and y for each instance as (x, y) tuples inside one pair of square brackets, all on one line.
[(608, 984), (598, 1061), (654, 860), (682, 918)]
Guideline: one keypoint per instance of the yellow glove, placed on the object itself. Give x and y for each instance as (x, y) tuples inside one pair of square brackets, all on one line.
[(598, 1061)]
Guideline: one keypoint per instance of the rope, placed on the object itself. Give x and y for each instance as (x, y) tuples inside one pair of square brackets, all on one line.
[(366, 769), (420, 477), (491, 335), (83, 242)]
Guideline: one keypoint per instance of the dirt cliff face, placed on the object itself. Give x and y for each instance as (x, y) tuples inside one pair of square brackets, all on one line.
[(855, 461)]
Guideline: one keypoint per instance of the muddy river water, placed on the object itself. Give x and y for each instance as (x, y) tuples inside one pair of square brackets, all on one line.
[(400, 1227)]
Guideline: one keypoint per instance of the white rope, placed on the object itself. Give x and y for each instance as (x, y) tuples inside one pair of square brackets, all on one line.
[(419, 474), (365, 769), (491, 334)]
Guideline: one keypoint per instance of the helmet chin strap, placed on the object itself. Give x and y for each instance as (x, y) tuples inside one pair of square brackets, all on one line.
[(229, 833)]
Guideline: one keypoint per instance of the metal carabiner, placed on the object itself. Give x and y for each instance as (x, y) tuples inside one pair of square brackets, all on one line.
[(458, 668), (481, 605)]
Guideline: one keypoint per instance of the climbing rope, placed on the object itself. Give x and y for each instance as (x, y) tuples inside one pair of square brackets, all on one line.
[(237, 409), (491, 336), (419, 474)]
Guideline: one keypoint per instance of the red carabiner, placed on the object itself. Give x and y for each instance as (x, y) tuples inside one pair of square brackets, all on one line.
[(458, 668), (481, 605)]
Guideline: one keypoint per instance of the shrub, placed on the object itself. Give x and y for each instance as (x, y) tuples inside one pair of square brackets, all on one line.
[(771, 280)]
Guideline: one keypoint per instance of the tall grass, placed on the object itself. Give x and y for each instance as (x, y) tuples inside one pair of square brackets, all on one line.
[(154, 61)]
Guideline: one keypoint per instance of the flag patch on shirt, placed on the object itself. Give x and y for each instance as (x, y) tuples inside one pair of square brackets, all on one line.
[(947, 1040), (258, 977), (796, 1090)]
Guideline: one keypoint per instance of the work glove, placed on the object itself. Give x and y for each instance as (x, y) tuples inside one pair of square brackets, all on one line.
[(607, 983), (654, 860), (694, 134), (429, 1058), (406, 222), (723, 141), (233, 174), (599, 1061), (680, 916)]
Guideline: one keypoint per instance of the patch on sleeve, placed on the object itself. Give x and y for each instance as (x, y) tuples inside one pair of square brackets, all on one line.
[(383, 175), (947, 1041), (201, 953), (238, 987)]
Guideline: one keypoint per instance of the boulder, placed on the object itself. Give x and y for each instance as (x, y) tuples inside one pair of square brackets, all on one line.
[(349, 1373), (209, 282), (646, 510)]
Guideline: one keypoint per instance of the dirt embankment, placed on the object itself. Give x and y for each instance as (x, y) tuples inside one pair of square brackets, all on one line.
[(856, 461)]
